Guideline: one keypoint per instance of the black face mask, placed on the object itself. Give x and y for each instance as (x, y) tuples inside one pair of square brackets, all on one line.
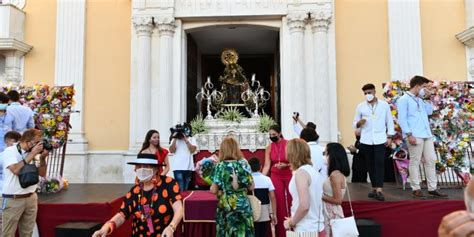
[(274, 139)]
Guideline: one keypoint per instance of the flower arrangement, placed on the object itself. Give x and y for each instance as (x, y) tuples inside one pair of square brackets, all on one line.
[(231, 114), (51, 107), (205, 168), (451, 122), (52, 185), (264, 123), (198, 125)]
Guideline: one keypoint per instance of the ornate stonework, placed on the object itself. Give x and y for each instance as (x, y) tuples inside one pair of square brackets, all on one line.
[(320, 20), (20, 4), (143, 25), (165, 25), (296, 21)]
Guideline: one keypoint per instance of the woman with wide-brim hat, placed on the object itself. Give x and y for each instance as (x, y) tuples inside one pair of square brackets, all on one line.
[(154, 202)]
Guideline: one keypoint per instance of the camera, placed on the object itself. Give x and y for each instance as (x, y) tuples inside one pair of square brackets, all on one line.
[(46, 144), (296, 115), (180, 130)]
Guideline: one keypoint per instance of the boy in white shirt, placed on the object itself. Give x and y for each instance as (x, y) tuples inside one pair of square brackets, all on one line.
[(264, 191)]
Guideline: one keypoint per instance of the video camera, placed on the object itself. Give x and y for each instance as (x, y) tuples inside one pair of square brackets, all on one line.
[(180, 130)]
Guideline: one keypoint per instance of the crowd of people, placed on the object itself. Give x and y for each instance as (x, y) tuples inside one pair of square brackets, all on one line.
[(20, 146), (301, 184)]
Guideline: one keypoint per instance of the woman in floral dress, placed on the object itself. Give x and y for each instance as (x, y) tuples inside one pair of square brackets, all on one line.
[(230, 182)]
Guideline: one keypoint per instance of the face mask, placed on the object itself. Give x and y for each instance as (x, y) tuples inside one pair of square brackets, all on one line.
[(369, 97), (469, 202), (274, 139), (144, 174), (421, 93)]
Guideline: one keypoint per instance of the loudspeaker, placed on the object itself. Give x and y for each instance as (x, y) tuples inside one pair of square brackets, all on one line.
[(368, 228), (77, 229)]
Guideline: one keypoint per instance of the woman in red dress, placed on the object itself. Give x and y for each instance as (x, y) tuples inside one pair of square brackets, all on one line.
[(280, 174), (151, 145)]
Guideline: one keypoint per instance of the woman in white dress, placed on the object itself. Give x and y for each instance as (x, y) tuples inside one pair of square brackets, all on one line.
[(306, 189), (334, 186)]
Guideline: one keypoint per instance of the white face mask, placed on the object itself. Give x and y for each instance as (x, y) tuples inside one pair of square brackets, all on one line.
[(369, 97), (144, 174), (421, 93), (469, 201)]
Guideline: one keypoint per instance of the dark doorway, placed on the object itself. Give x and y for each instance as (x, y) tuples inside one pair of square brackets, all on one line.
[(258, 50)]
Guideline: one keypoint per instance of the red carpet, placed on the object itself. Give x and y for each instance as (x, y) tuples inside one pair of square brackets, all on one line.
[(397, 218)]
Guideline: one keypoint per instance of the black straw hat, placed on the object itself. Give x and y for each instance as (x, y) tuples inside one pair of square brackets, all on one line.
[(146, 159)]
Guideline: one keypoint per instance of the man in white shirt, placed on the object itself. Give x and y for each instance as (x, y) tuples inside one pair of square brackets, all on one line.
[(183, 148), (319, 162), (374, 118), (20, 205), (10, 139), (22, 115)]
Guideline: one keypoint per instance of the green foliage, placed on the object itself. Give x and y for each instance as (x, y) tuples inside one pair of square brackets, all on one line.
[(231, 114), (265, 123), (198, 125)]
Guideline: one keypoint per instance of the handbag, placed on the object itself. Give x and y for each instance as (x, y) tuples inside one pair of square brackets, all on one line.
[(28, 175), (345, 227), (256, 206)]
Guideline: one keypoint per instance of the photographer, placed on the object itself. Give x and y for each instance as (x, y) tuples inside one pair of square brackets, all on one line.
[(20, 205), (298, 124), (183, 146)]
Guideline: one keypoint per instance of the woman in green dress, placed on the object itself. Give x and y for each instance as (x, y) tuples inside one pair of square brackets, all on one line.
[(230, 182)]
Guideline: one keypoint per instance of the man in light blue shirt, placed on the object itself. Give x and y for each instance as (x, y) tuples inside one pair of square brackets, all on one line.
[(413, 119), (22, 115)]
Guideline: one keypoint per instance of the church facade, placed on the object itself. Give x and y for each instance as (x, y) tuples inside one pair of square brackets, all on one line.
[(138, 64)]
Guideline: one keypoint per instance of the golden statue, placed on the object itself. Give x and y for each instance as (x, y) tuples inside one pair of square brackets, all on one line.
[(233, 72)]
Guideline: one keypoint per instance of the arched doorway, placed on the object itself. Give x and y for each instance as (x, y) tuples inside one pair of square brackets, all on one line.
[(259, 54)]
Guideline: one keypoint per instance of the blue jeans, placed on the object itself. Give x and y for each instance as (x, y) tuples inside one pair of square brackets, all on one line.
[(183, 177)]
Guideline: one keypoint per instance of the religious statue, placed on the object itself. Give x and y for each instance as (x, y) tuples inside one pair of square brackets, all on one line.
[(233, 81)]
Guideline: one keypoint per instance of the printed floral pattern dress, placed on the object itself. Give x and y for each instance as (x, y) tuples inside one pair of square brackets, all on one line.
[(234, 213)]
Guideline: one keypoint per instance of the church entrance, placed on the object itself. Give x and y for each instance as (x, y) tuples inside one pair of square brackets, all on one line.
[(258, 54)]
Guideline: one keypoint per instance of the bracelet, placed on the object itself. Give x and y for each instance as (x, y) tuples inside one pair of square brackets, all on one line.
[(112, 226)]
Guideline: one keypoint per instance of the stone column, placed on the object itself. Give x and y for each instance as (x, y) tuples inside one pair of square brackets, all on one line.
[(326, 125), (69, 64), (404, 25), (296, 26), (13, 67), (310, 84), (144, 27), (161, 87)]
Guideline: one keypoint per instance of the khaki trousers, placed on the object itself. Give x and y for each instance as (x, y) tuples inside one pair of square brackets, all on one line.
[(21, 214), (424, 148)]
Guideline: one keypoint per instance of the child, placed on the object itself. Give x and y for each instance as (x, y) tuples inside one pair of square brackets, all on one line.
[(264, 191), (10, 139)]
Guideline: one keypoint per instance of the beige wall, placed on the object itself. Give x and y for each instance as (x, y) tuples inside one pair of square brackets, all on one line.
[(444, 57), (107, 83), (362, 55), (40, 31)]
